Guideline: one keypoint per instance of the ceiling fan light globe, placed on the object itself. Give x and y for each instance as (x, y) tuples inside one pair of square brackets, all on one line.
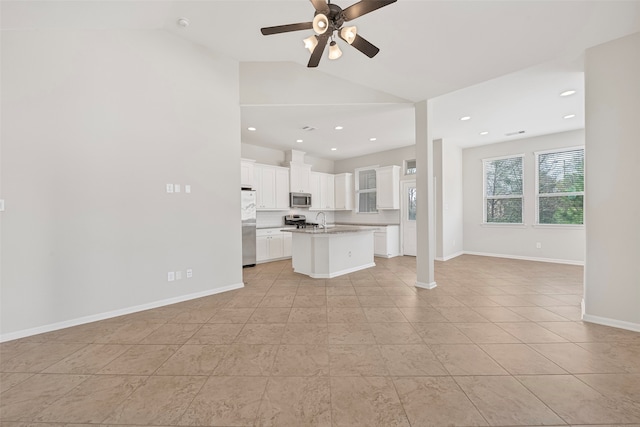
[(334, 51), (311, 43), (320, 23), (349, 34)]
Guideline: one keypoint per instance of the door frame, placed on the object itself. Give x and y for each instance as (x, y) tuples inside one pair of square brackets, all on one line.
[(403, 184)]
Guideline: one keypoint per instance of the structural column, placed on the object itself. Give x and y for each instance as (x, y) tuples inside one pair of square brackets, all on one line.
[(425, 210)]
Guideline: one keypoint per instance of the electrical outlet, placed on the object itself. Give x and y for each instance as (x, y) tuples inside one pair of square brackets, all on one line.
[(171, 276), (176, 188), (178, 275), (189, 273), (538, 245), (169, 188)]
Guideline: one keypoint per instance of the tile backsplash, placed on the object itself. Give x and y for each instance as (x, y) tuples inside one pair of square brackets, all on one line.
[(266, 219)]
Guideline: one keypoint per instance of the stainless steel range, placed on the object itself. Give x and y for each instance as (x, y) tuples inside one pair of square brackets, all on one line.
[(300, 221)]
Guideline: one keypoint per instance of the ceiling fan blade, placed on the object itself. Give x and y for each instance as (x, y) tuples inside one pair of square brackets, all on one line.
[(363, 7), (363, 46), (267, 31), (321, 6), (317, 52)]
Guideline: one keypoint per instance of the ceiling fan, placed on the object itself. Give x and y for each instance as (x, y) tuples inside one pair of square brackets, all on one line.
[(328, 19)]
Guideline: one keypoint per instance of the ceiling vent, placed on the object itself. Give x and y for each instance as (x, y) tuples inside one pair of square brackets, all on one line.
[(520, 132), (308, 128)]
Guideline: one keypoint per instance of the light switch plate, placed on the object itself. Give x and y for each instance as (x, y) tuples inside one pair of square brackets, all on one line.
[(176, 188), (171, 276), (169, 188), (189, 273), (187, 188), (1, 205), (178, 275)]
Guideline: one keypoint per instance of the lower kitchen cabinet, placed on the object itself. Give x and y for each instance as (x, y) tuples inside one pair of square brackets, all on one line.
[(386, 241), (272, 244)]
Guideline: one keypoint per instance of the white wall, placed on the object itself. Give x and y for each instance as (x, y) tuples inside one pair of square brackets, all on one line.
[(95, 123), (612, 273), (449, 200), (383, 158), (561, 244)]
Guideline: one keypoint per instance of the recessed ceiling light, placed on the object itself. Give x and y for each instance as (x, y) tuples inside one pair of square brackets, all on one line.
[(567, 93), (298, 140), (183, 22), (373, 139), (465, 118), (334, 149), (252, 129), (339, 128), (484, 133), (569, 116)]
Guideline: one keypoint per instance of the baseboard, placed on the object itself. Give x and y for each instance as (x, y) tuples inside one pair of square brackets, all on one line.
[(338, 273), (115, 313), (426, 285), (452, 256), (620, 324), (526, 258)]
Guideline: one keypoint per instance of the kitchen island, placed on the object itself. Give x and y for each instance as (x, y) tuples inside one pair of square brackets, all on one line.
[(324, 253)]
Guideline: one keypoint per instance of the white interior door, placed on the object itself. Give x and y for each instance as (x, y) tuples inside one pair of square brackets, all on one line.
[(408, 221)]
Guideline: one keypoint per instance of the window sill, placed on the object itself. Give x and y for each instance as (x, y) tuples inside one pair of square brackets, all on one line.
[(560, 226), (502, 225)]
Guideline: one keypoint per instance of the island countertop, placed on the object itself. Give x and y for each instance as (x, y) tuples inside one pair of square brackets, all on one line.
[(337, 229)]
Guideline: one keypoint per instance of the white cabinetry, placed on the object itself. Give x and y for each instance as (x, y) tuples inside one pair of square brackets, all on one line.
[(388, 187), (343, 195), (272, 244), (300, 180), (272, 187), (386, 241), (246, 173), (322, 191)]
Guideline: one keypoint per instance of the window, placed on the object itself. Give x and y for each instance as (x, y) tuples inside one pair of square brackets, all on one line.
[(410, 167), (503, 184), (366, 190), (560, 186)]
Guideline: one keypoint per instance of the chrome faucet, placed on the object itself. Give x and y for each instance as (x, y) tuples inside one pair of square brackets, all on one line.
[(324, 219)]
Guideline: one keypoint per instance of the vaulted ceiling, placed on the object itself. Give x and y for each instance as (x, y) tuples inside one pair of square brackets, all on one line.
[(503, 63)]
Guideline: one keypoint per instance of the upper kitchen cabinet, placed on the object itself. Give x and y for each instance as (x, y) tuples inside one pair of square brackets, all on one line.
[(322, 191), (388, 187), (246, 173), (300, 177), (272, 187), (343, 195)]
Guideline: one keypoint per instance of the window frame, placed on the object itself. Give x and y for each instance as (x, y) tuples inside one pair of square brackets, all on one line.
[(566, 194), (368, 190), (484, 192)]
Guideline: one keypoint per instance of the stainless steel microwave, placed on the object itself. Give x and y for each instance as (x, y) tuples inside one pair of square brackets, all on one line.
[(300, 200)]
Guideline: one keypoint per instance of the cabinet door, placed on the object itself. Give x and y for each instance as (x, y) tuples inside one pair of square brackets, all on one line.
[(380, 243), (300, 178), (262, 248), (281, 189), (268, 188), (257, 185), (388, 187), (330, 195), (316, 197), (344, 191), (276, 246), (246, 174)]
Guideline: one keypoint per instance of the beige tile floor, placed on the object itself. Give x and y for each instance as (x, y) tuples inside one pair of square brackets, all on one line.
[(498, 342)]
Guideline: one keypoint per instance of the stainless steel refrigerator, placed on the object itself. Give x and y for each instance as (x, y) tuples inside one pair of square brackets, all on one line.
[(248, 216)]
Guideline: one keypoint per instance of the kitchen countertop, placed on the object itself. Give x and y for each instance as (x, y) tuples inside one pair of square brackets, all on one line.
[(338, 229), (363, 224)]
